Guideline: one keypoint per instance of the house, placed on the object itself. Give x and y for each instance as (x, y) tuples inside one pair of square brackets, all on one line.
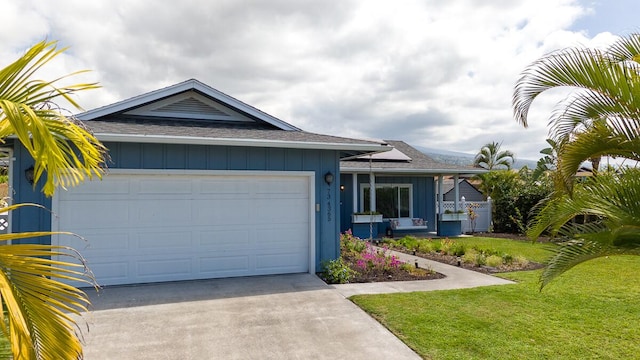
[(404, 192), (201, 185), (466, 189)]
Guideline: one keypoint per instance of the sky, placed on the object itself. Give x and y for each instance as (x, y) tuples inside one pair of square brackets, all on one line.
[(437, 74)]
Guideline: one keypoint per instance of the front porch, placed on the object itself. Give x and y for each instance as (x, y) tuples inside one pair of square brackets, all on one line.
[(377, 204), (403, 188)]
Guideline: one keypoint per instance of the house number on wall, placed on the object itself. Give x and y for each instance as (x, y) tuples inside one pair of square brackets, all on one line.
[(328, 203)]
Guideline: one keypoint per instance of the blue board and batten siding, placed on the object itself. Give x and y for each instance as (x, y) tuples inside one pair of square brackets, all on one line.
[(423, 197), (200, 157)]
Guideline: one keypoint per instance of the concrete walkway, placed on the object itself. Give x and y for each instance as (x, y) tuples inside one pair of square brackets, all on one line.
[(456, 278)]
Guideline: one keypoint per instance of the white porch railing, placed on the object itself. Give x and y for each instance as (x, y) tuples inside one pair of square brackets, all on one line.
[(481, 208)]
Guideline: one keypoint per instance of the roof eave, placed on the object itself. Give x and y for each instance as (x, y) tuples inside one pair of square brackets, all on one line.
[(413, 171), (189, 140)]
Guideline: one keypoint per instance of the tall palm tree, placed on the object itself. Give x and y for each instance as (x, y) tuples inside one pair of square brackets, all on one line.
[(491, 157), (37, 303), (601, 118)]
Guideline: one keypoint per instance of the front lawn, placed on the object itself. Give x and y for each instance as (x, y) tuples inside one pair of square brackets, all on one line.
[(591, 312)]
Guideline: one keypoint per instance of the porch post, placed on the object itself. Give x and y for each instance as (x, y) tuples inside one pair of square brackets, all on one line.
[(440, 195), (354, 184), (456, 192), (372, 192)]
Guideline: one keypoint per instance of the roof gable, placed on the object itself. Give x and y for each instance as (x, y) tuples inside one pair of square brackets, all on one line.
[(191, 100), (190, 105)]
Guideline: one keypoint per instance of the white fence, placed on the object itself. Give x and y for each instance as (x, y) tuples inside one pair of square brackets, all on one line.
[(482, 210)]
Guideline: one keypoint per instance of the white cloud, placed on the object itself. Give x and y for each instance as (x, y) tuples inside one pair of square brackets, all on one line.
[(437, 74)]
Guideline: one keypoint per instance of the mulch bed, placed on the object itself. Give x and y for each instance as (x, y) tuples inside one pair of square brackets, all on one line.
[(392, 274), (453, 260), (395, 275)]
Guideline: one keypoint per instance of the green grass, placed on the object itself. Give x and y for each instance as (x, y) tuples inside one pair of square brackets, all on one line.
[(537, 252), (591, 312)]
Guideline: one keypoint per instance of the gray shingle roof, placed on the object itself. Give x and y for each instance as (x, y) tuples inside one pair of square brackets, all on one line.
[(419, 163), (211, 130)]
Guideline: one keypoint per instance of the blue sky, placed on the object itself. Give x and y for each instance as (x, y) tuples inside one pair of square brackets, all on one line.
[(615, 16), (438, 74)]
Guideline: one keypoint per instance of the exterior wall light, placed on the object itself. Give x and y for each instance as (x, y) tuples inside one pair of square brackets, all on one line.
[(328, 177), (29, 175)]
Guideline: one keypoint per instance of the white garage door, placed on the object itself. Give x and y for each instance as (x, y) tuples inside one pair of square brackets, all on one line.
[(165, 227)]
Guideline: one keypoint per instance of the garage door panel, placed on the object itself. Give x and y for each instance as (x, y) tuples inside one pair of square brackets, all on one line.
[(166, 267), (279, 187), (282, 237), (282, 211), (163, 186), (223, 212), (99, 242), (163, 241), (225, 188), (216, 266), (99, 188), (110, 272), (168, 213), (279, 263), (223, 226), (102, 215), (224, 239)]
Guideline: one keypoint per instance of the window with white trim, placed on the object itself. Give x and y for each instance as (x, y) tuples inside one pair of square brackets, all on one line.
[(392, 200)]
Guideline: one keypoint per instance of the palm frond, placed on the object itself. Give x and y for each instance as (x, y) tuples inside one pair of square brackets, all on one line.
[(38, 303), (576, 252), (603, 83), (63, 151)]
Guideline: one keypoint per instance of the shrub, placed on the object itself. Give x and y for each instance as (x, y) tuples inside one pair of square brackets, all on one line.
[(336, 272), (507, 259), (425, 246), (494, 261), (470, 256), (436, 246), (445, 246), (372, 258), (481, 259), (521, 260), (408, 242), (458, 249), (351, 245)]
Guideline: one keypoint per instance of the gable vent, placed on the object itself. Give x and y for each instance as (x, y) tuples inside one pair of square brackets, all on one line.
[(190, 105)]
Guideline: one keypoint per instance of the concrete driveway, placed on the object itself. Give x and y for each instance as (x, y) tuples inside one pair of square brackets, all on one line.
[(270, 317)]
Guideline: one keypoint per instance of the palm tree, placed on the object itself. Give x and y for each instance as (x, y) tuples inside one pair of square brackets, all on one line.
[(490, 157), (601, 118), (37, 303)]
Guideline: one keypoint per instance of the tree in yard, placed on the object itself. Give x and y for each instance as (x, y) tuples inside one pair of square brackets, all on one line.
[(491, 157), (601, 118), (36, 303)]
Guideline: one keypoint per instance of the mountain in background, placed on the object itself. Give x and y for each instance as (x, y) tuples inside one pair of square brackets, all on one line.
[(464, 159)]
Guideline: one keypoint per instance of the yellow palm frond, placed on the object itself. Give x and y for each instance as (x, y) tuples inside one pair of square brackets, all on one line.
[(64, 152)]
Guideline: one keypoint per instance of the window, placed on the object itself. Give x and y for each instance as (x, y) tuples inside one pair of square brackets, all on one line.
[(392, 201)]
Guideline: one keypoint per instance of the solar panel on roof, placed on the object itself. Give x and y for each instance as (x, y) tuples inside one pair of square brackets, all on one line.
[(393, 155)]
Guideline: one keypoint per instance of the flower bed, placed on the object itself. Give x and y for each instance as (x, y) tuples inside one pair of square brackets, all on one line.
[(361, 262), (456, 253)]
